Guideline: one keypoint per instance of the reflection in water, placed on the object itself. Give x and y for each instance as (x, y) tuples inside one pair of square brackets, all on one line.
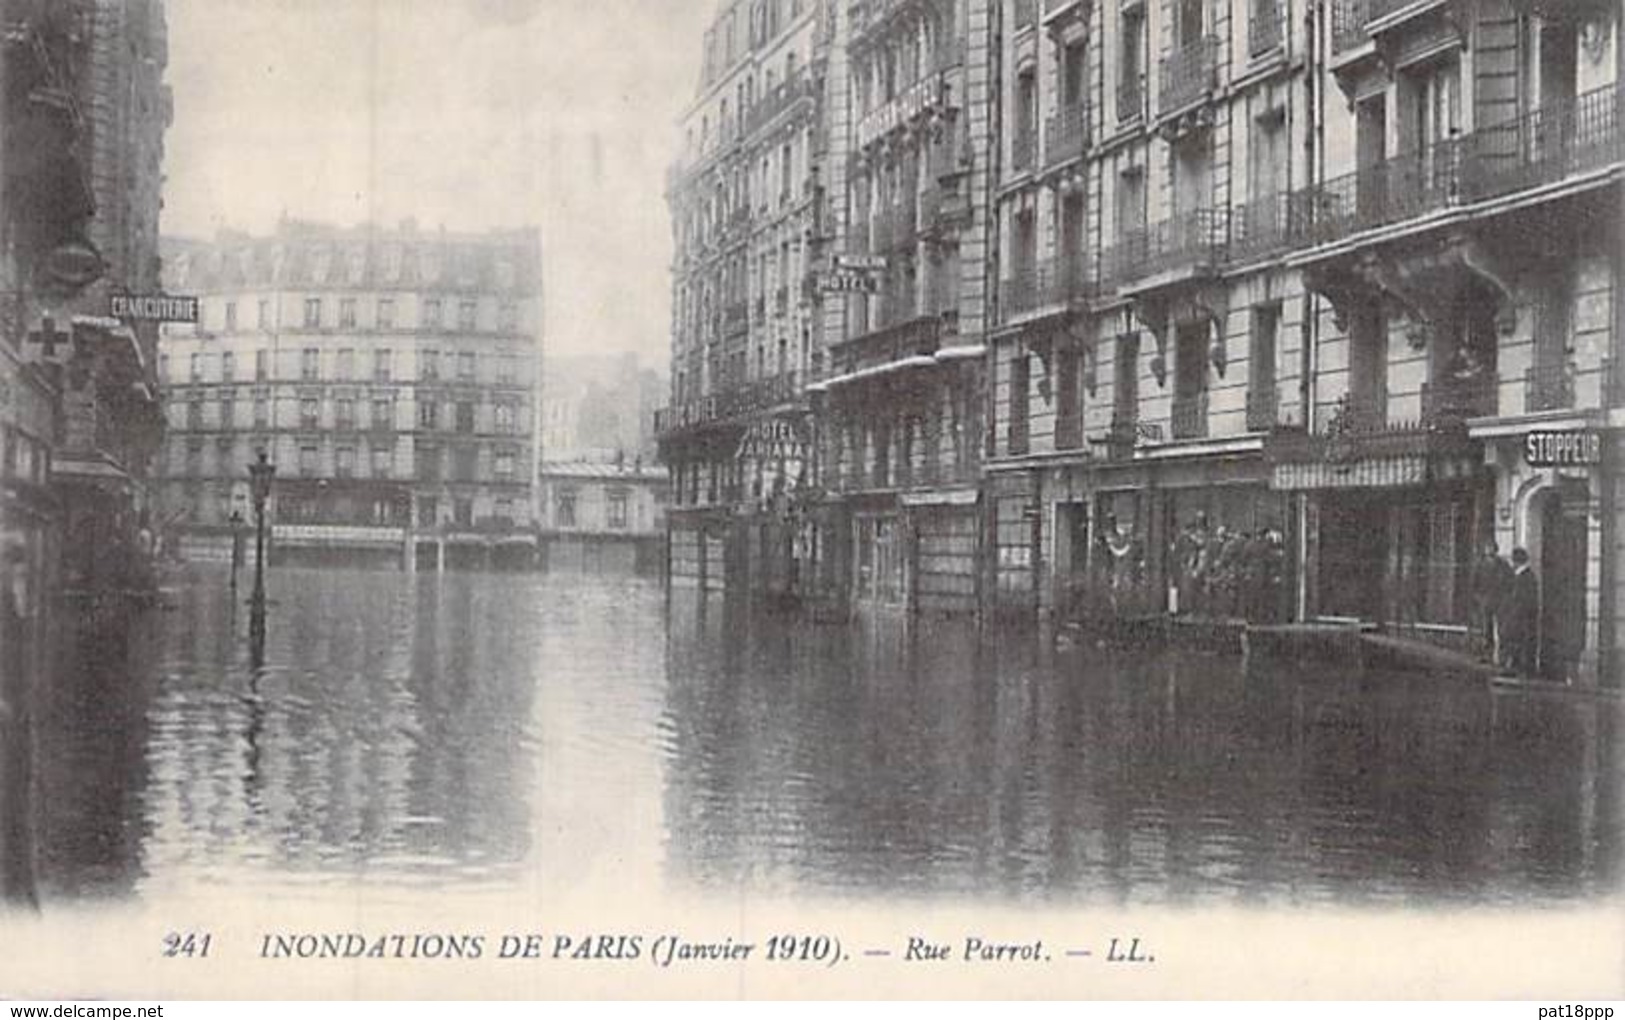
[(507, 732), (867, 761)]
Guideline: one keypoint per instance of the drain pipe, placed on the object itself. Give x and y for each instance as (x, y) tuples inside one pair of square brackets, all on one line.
[(1309, 322)]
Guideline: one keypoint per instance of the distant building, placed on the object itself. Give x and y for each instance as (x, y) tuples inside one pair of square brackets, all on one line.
[(389, 374), (603, 516), (599, 407)]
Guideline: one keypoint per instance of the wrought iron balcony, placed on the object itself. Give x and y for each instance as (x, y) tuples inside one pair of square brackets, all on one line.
[(1263, 406), (1552, 143), (920, 336), (1549, 387), (1051, 284), (1266, 28), (730, 403), (777, 100), (1188, 74), (1260, 228), (1189, 418), (1066, 135), (1349, 18), (1195, 241)]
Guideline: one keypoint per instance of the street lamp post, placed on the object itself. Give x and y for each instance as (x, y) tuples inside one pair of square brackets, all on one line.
[(261, 474)]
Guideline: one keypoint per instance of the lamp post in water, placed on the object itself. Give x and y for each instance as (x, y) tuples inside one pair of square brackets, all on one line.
[(261, 474)]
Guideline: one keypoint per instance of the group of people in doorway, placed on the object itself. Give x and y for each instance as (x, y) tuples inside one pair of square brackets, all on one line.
[(1506, 602), (1227, 573)]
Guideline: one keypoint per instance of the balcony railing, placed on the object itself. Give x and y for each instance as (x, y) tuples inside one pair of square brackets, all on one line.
[(1066, 135), (1188, 74), (920, 336), (779, 99), (1259, 228), (1052, 283), (1448, 399), (1195, 241), (1266, 28), (1349, 18), (1549, 387), (729, 403), (1189, 418), (1540, 147), (1263, 406), (1130, 99)]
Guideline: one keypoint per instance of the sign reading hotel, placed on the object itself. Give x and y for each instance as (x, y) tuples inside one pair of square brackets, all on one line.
[(1562, 449), (154, 308)]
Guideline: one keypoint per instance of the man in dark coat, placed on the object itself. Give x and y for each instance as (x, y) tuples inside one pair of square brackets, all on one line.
[(1519, 617), (1492, 580)]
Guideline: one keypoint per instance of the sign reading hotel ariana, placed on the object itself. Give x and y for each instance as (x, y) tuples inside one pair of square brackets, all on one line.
[(1560, 449), (154, 307)]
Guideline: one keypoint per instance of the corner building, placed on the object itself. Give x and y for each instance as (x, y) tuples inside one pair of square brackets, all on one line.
[(391, 377), (752, 213)]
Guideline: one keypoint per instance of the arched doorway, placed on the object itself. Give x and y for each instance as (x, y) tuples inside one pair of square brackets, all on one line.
[(1557, 541)]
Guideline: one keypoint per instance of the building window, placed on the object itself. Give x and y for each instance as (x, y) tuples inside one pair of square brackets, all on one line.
[(428, 463), (228, 367), (231, 316), (383, 414), (465, 416), (507, 370), (265, 315), (347, 313), (310, 412), (429, 364), (346, 366), (1020, 385), (504, 466), (163, 368), (228, 410), (386, 313), (428, 511), (1261, 388), (344, 462), (465, 366), (313, 313), (428, 414), (564, 512), (310, 364), (197, 368), (462, 512), (262, 365), (467, 316), (194, 412), (465, 463), (262, 412), (381, 365), (510, 317), (431, 313), (344, 414), (383, 461), (309, 460), (504, 511), (194, 457), (505, 419), (617, 510)]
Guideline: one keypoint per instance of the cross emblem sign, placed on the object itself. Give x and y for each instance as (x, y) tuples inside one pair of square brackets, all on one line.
[(49, 337)]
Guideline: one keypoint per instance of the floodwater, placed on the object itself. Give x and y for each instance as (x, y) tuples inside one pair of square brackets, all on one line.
[(474, 731)]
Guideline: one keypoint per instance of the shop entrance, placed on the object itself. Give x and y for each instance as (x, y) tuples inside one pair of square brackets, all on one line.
[(1558, 548)]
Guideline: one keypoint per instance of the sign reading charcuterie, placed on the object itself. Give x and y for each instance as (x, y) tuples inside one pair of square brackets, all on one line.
[(153, 307), (1562, 448)]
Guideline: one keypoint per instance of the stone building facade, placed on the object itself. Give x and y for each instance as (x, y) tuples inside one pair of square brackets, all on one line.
[(1269, 309), (390, 375)]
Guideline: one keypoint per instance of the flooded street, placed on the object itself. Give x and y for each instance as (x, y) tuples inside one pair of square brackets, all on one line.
[(483, 732)]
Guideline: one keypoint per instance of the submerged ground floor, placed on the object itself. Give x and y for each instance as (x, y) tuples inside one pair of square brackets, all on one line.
[(1390, 533)]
